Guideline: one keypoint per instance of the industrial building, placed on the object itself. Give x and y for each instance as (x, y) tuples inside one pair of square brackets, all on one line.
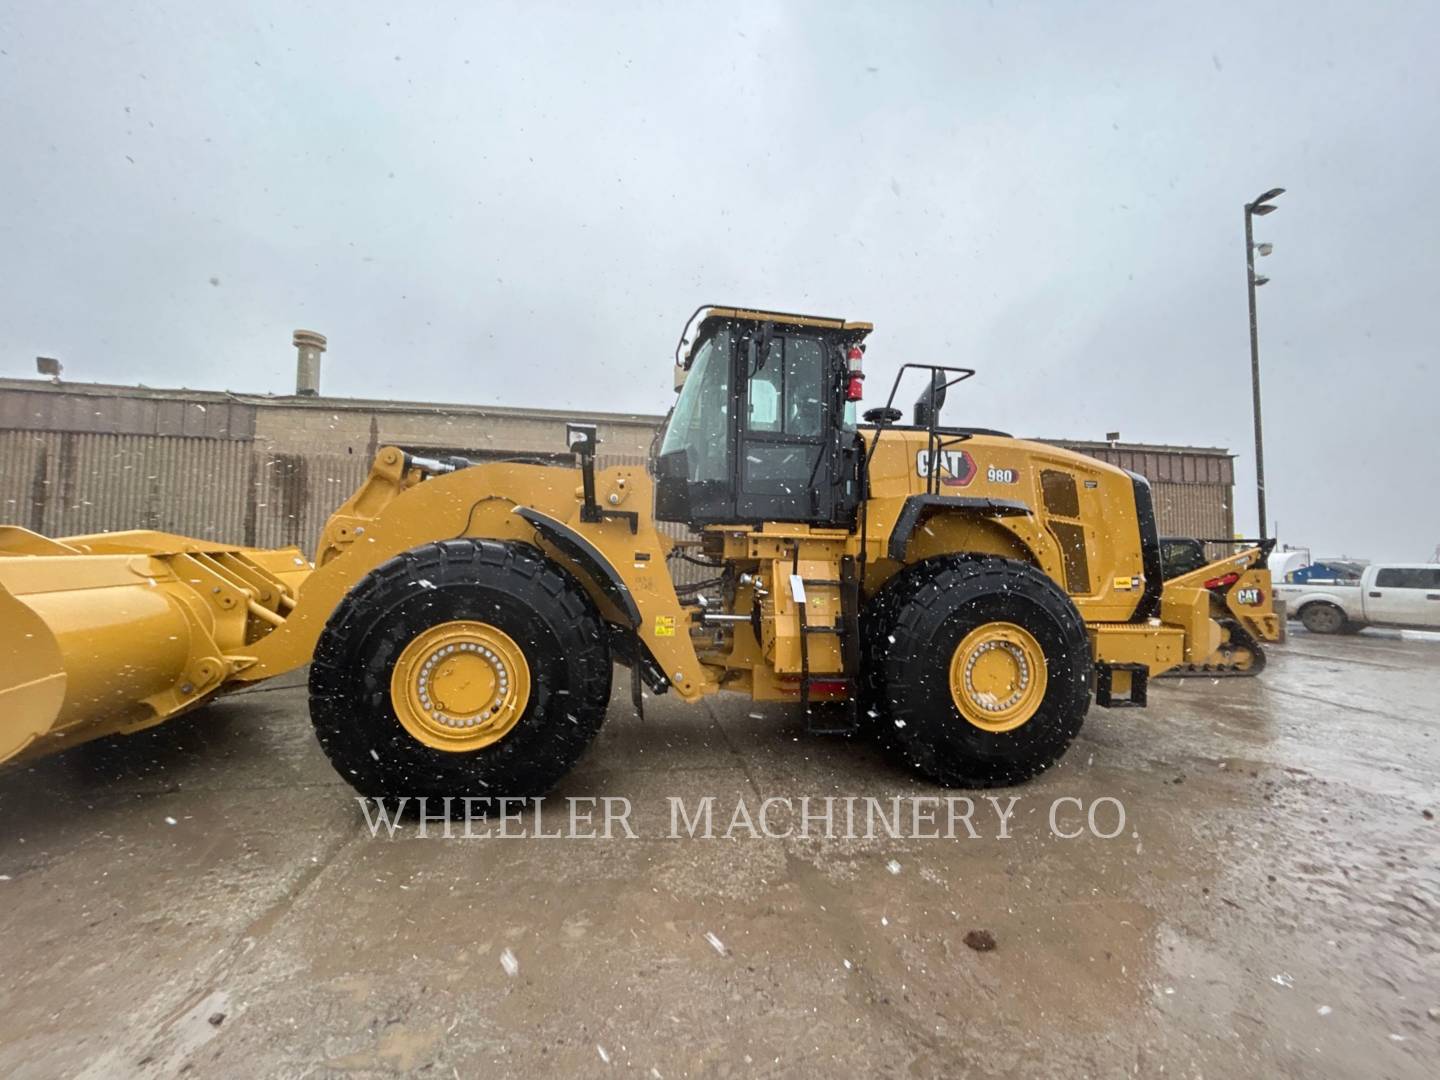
[(267, 470)]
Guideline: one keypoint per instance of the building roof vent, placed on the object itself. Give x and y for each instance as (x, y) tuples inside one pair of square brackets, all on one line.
[(309, 345)]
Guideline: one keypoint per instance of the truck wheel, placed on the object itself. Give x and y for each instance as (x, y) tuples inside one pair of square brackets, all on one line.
[(466, 668), (1322, 618), (979, 670)]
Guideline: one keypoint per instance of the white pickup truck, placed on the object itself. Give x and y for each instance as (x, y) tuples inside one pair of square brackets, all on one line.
[(1386, 594)]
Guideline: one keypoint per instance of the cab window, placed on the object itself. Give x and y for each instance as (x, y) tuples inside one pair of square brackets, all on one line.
[(785, 395), (701, 422), (1408, 577)]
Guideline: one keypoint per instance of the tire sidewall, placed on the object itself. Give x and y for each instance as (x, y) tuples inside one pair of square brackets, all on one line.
[(351, 680), (926, 727), (1333, 618)]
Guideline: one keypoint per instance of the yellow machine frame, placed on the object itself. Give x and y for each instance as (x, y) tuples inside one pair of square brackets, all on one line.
[(116, 632)]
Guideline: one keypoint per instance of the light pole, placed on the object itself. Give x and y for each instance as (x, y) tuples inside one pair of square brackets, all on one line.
[(1260, 206)]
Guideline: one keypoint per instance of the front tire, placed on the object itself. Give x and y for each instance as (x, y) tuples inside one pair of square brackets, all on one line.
[(979, 670), (465, 669)]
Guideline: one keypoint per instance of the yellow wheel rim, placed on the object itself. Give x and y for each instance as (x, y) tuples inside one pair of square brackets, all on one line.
[(460, 686), (998, 676)]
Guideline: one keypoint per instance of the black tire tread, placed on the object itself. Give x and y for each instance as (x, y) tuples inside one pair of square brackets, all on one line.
[(1317, 604), (570, 677), (933, 739)]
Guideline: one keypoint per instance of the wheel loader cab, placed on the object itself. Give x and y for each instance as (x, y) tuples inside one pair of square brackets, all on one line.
[(762, 430)]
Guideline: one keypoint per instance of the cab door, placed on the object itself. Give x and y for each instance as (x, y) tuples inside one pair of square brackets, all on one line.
[(785, 425), (1405, 596)]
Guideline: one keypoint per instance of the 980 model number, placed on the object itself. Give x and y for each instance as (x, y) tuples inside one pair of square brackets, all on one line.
[(1000, 476)]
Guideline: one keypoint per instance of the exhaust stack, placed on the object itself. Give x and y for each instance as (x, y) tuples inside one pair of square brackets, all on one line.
[(309, 345)]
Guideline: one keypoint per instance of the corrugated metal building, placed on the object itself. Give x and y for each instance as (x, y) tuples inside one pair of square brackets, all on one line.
[(1193, 485), (266, 471)]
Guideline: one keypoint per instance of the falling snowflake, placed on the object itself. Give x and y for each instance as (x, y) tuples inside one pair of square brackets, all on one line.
[(715, 942), (509, 963), (893, 866)]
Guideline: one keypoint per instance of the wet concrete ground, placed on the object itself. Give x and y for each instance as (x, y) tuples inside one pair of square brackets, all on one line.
[(206, 900)]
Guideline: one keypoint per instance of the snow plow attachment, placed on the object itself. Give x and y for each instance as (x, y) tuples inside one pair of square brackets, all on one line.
[(116, 632)]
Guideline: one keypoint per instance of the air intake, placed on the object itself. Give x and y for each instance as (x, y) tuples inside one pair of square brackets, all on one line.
[(1060, 495), (1062, 500)]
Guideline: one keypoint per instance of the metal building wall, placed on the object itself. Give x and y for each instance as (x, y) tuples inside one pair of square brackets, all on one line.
[(1193, 486), (34, 405), (69, 483), (72, 483), (1202, 510)]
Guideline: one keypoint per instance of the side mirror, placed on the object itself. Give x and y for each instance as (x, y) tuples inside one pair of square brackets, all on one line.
[(928, 404), (767, 335), (582, 438)]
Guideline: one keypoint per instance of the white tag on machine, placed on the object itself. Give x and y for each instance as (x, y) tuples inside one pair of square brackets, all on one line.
[(797, 588)]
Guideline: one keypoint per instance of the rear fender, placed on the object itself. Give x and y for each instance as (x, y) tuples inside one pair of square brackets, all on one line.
[(920, 507), (929, 525)]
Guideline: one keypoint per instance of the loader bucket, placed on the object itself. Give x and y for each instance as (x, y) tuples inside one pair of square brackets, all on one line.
[(115, 633), (32, 677)]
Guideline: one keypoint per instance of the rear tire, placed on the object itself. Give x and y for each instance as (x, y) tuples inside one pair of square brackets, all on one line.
[(527, 603), (915, 628), (1322, 618)]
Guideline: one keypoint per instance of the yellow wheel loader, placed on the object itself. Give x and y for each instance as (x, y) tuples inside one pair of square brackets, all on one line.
[(958, 593)]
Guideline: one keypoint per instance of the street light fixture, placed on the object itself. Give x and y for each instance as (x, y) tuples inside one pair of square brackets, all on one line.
[(1260, 206)]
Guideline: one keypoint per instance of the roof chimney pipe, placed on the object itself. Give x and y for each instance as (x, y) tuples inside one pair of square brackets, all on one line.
[(309, 345)]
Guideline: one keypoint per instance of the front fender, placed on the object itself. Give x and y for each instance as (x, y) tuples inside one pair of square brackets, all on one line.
[(590, 559)]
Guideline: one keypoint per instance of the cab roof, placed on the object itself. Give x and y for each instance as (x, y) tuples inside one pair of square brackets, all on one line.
[(707, 313)]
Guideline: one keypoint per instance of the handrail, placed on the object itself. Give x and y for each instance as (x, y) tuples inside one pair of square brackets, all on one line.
[(932, 441)]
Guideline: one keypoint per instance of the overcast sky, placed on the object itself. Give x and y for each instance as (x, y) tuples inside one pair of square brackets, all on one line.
[(520, 204)]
